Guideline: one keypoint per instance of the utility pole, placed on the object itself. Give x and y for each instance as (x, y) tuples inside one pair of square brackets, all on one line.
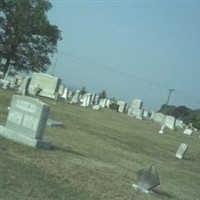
[(164, 110), (168, 98)]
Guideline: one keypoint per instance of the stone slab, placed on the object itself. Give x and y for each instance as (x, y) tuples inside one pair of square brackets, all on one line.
[(137, 104), (27, 116), (138, 187), (181, 150), (187, 131), (48, 85), (23, 139), (96, 107), (170, 122), (122, 106), (148, 177)]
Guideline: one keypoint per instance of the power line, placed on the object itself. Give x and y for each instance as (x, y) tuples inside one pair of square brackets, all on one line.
[(113, 70), (99, 66)]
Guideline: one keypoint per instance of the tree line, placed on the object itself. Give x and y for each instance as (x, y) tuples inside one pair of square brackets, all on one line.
[(183, 113)]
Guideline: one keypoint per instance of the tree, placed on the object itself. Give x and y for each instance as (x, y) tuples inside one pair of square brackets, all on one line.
[(102, 94), (194, 118), (167, 109), (83, 90), (27, 39), (181, 112)]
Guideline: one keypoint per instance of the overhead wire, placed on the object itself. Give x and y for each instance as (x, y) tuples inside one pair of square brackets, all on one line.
[(130, 76)]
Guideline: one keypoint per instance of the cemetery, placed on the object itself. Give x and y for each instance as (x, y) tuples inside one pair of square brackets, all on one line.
[(97, 153), (63, 142)]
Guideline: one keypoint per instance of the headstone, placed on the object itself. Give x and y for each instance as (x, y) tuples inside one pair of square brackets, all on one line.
[(70, 94), (146, 114), (179, 123), (44, 85), (170, 122), (102, 103), (137, 113), (122, 106), (137, 104), (93, 98), (6, 84), (195, 129), (152, 115), (86, 100), (96, 100), (9, 79), (65, 93), (26, 121), (181, 151), (188, 131), (148, 178), (61, 90), (96, 107), (23, 89), (159, 117), (108, 102), (75, 98)]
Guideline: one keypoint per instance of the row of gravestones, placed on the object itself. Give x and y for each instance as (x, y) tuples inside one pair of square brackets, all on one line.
[(50, 86), (29, 116)]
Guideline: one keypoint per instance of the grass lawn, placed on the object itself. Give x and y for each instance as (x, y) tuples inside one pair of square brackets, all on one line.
[(96, 156)]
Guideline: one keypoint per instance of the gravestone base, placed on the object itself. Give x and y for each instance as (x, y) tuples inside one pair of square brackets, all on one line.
[(138, 187), (48, 95), (21, 138)]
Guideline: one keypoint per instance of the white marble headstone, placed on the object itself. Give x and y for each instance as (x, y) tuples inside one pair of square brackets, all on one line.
[(181, 150)]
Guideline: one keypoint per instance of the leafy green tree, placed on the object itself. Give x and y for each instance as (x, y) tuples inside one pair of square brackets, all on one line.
[(27, 39), (194, 118), (102, 94), (181, 112), (83, 90), (167, 110)]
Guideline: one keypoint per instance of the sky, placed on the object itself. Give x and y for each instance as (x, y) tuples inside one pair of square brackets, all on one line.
[(130, 49)]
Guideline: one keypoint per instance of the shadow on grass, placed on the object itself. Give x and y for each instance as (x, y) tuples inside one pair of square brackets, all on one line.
[(189, 159), (161, 193), (67, 150)]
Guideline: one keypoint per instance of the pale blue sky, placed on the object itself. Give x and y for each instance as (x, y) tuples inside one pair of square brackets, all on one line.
[(131, 49)]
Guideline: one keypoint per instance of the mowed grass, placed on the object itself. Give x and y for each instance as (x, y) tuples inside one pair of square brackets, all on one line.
[(96, 156)]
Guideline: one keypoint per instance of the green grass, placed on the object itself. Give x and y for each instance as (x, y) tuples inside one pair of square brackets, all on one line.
[(96, 156)]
